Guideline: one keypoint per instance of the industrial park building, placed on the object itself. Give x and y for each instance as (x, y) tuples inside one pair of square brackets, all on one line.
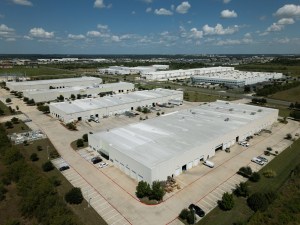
[(55, 83), (45, 95), (124, 70), (170, 144), (83, 109), (235, 78), (182, 74)]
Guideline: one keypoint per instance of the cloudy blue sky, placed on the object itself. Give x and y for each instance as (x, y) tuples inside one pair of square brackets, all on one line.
[(150, 26)]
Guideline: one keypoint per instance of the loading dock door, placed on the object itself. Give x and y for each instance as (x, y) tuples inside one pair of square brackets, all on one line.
[(177, 171), (189, 165), (196, 161), (133, 174), (127, 170)]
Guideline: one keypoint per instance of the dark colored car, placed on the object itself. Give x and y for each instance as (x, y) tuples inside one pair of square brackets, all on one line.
[(96, 159), (197, 209), (63, 168)]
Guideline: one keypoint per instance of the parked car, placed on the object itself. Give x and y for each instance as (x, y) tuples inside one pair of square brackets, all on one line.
[(209, 164), (262, 158), (197, 209), (63, 168), (96, 159), (257, 161)]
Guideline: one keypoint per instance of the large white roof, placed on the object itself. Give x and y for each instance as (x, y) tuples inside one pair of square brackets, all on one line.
[(157, 140), (55, 81), (81, 105)]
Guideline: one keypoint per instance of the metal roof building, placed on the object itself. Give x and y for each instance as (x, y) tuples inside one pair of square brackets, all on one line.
[(83, 109), (167, 145), (55, 83), (45, 95)]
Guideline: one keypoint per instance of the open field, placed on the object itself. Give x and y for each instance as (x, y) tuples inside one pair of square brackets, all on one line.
[(286, 70), (282, 164), (35, 71), (292, 95), (86, 214)]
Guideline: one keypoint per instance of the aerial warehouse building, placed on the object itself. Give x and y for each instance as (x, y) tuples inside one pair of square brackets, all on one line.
[(83, 109), (168, 145), (45, 95), (55, 83)]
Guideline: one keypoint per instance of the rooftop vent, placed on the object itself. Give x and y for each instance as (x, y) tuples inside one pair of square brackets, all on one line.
[(252, 113), (260, 110), (227, 119), (231, 109)]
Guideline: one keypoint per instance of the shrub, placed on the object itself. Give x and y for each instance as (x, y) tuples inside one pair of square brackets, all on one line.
[(270, 196), (242, 190), (25, 99), (2, 191), (11, 156), (158, 114), (55, 181), (184, 214), (288, 136), (74, 196), (9, 124), (269, 173), (227, 202), (85, 138), (269, 149), (143, 189), (8, 100), (255, 177), (245, 171), (34, 157), (47, 166), (71, 126), (39, 148), (79, 143), (15, 120), (257, 201)]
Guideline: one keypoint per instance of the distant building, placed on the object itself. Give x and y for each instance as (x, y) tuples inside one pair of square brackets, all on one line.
[(124, 70), (55, 83), (45, 95)]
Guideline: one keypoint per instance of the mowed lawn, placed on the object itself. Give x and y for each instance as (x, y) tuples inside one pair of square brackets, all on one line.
[(35, 71), (283, 164), (292, 95)]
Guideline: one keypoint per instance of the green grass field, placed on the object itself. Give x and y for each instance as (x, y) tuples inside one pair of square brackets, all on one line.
[(35, 71), (292, 95), (283, 164)]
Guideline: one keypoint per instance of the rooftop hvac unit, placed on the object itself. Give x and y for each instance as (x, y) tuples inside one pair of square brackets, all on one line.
[(227, 119)]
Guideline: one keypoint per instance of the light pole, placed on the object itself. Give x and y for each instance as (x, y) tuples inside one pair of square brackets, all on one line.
[(89, 203), (48, 152)]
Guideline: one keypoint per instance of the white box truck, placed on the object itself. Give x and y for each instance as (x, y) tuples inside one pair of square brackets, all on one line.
[(209, 164)]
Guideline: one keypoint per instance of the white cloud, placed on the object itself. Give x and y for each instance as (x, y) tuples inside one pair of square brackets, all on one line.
[(247, 35), (149, 9), (234, 42), (76, 36), (11, 39), (228, 14), (197, 34), (219, 30), (28, 37), (147, 1), (115, 38), (133, 12), (40, 33), (183, 7), (22, 2), (226, 1), (93, 33), (275, 27), (4, 28), (100, 4), (172, 7), (283, 40), (163, 12), (289, 10), (6, 32), (286, 21), (102, 27)]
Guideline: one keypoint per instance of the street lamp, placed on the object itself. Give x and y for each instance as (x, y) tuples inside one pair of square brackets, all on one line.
[(48, 152)]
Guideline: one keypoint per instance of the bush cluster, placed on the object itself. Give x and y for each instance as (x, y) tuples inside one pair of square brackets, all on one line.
[(74, 196), (227, 202), (188, 215), (156, 192)]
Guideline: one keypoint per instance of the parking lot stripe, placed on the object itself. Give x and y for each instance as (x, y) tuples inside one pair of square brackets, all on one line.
[(208, 203), (117, 221), (112, 217)]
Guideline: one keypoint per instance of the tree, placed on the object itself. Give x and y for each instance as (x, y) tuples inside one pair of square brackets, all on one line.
[(242, 190), (31, 102), (8, 100), (191, 217), (257, 201), (139, 109), (288, 136), (39, 148), (79, 143), (245, 171), (1, 112), (71, 126), (143, 189), (34, 157), (85, 138), (157, 192), (73, 97), (17, 108), (227, 202), (78, 96), (15, 120), (184, 214), (247, 89), (61, 98), (47, 166), (255, 177), (25, 99), (74, 196), (9, 124), (13, 155)]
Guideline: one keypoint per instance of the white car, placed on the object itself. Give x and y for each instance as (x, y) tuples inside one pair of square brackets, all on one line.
[(257, 161)]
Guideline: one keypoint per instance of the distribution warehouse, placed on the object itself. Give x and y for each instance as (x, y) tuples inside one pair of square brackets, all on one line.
[(124, 70), (214, 75), (167, 145), (83, 109), (45, 95), (55, 83)]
